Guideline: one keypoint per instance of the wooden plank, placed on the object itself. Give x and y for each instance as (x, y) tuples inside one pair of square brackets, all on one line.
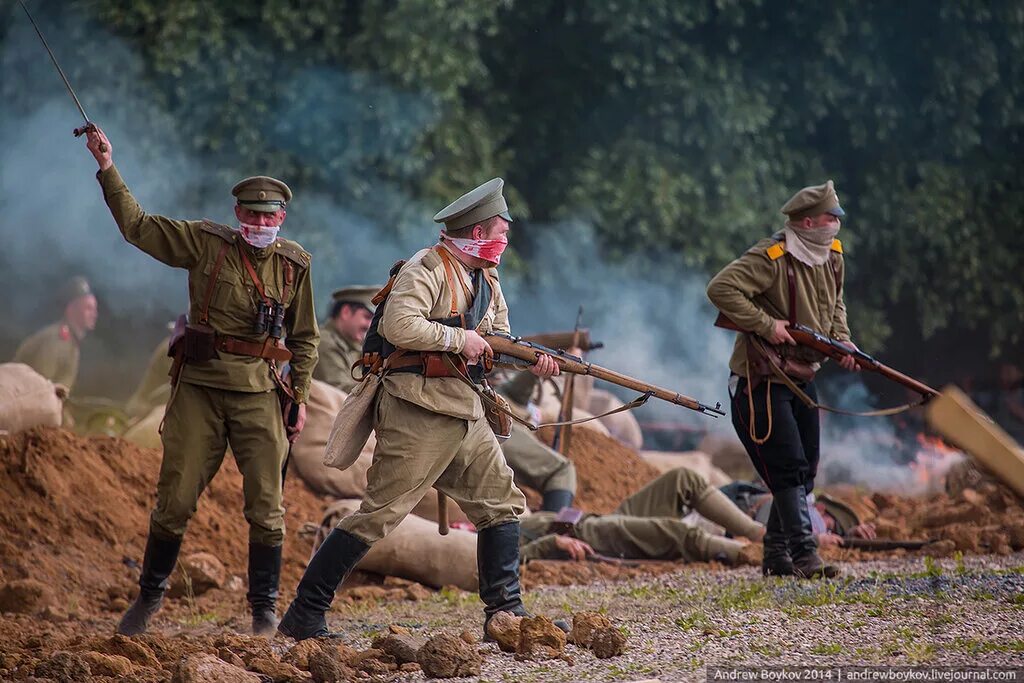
[(955, 416)]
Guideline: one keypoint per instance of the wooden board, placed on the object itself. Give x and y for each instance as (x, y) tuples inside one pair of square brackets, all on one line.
[(954, 416)]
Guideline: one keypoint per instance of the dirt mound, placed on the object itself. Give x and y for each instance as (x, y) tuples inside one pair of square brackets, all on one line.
[(606, 471), (74, 512)]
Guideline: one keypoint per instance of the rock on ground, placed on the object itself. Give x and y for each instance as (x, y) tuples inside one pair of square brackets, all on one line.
[(108, 665), (205, 668), (24, 596), (608, 642), (326, 667), (539, 638), (126, 647), (65, 667), (504, 628), (204, 570), (448, 656), (401, 646), (584, 625)]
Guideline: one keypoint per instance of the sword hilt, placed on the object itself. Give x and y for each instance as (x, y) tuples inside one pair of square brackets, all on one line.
[(88, 128)]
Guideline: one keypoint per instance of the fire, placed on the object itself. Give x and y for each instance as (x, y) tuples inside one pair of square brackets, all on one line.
[(933, 459)]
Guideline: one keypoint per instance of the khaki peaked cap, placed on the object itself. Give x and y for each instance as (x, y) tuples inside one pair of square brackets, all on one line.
[(357, 294), (262, 193), (479, 204), (813, 201)]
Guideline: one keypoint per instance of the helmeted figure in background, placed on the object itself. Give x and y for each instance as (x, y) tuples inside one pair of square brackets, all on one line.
[(248, 291), (429, 419), (53, 351), (795, 276)]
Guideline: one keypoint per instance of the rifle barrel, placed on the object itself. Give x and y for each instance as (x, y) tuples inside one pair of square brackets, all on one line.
[(528, 351)]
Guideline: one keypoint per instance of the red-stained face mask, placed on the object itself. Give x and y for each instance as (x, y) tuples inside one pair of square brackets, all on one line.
[(487, 250)]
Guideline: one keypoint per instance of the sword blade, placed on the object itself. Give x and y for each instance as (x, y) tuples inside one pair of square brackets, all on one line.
[(60, 71)]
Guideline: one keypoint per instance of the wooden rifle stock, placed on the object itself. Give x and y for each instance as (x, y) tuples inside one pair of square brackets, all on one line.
[(515, 347), (836, 350)]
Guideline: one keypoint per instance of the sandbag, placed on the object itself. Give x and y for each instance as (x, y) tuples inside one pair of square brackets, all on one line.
[(697, 461), (27, 399), (621, 426), (146, 432), (415, 551), (728, 454), (307, 459)]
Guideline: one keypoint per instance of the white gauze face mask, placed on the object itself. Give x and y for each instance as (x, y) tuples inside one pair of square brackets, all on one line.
[(259, 236)]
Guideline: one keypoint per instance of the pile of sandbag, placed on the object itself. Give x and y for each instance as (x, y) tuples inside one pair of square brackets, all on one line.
[(27, 399), (665, 461)]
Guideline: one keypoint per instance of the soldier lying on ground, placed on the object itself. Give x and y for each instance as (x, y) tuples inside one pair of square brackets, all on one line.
[(648, 525)]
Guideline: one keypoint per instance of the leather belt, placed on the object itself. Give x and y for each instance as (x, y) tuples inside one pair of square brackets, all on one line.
[(268, 349)]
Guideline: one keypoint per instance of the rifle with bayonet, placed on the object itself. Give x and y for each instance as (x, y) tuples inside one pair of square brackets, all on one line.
[(517, 351), (836, 350)]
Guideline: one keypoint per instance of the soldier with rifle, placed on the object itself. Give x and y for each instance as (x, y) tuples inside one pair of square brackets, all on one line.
[(250, 310), (793, 278)]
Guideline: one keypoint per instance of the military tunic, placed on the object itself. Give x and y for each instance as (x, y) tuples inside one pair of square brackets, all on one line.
[(646, 526), (52, 352), (231, 399), (337, 354), (753, 291), (431, 431)]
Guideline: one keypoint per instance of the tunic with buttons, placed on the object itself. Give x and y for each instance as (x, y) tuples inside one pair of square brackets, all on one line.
[(337, 353)]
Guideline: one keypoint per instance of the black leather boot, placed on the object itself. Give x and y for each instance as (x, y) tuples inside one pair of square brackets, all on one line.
[(803, 547), (334, 560), (264, 576), (777, 561), (157, 565), (556, 499), (497, 558)]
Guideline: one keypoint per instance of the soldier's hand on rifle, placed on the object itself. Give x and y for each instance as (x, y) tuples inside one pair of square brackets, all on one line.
[(545, 367), (829, 539), (573, 547), (780, 335), (475, 347), (865, 530), (848, 362), (300, 422), (94, 139)]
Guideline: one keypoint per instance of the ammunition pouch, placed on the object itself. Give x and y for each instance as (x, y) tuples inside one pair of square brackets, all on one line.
[(761, 357), (200, 343), (498, 415)]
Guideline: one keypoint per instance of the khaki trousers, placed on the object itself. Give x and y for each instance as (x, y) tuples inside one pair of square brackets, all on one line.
[(418, 449), (200, 423)]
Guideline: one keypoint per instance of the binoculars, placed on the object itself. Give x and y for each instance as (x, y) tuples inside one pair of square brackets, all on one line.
[(269, 319)]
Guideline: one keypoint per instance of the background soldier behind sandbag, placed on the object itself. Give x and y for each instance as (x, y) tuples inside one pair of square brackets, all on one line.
[(533, 462), (429, 417), (795, 276), (247, 289), (648, 526), (341, 341), (53, 351)]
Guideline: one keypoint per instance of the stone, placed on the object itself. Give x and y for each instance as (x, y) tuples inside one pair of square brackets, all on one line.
[(539, 638), (64, 667), (108, 665), (470, 637), (410, 667), (584, 625), (200, 667), (448, 656), (24, 596), (54, 613), (278, 672), (230, 657), (504, 628), (401, 646), (132, 650), (204, 571), (608, 642), (298, 656), (325, 667), (417, 592)]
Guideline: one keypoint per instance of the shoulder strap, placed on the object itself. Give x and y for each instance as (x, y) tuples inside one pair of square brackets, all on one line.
[(791, 287), (204, 316), (221, 231), (253, 276), (451, 274)]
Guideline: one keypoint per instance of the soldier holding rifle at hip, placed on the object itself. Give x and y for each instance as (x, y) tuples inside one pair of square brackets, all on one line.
[(795, 276), (250, 310), (426, 342)]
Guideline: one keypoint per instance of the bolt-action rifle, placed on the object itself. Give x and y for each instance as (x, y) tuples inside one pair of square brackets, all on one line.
[(517, 351)]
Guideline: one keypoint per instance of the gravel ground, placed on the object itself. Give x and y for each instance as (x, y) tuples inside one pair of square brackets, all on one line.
[(899, 611)]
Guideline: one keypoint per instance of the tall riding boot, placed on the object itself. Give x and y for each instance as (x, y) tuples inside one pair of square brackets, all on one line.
[(334, 560), (803, 547), (556, 499), (777, 561), (497, 558), (264, 577), (157, 565)]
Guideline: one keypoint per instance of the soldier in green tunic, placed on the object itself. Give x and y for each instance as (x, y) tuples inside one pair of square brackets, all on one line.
[(341, 343), (248, 289), (795, 276), (53, 351)]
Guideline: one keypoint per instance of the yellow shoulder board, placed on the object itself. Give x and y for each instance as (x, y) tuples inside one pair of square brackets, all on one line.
[(776, 251), (431, 260), (837, 246)]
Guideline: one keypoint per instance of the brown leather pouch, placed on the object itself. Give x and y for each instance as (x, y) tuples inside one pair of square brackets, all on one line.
[(761, 364), (499, 420), (434, 365), (200, 343)]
